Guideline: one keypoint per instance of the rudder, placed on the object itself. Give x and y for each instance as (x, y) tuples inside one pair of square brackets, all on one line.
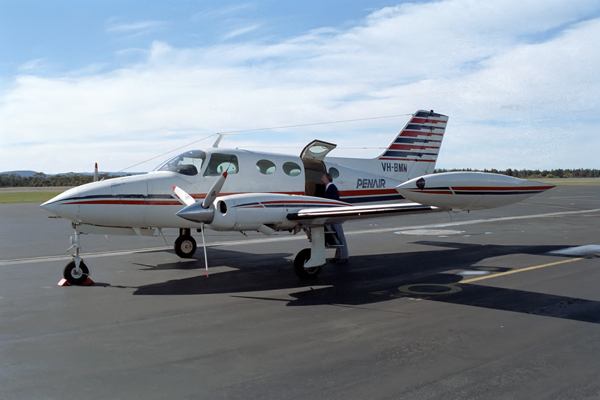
[(418, 143)]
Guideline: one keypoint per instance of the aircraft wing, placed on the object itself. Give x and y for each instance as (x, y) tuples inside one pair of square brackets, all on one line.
[(330, 215)]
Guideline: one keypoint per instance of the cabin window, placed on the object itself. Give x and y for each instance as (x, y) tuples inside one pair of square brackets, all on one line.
[(334, 173), (220, 163), (188, 163), (291, 169), (265, 167)]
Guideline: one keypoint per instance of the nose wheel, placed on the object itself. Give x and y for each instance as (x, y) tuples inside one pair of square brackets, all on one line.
[(76, 272), (74, 275)]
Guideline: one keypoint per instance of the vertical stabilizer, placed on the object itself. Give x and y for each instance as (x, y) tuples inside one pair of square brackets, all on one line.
[(418, 143)]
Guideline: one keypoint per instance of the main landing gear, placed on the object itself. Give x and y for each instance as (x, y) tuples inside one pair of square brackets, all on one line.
[(305, 273), (185, 244), (308, 262)]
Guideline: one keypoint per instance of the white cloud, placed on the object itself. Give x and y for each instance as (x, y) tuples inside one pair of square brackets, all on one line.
[(517, 78), (32, 65), (220, 12), (241, 31), (132, 28)]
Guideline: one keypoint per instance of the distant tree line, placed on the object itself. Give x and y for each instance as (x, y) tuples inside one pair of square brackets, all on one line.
[(71, 179), (41, 180), (536, 173)]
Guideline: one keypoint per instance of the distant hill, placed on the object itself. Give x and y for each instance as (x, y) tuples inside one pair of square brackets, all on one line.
[(23, 174)]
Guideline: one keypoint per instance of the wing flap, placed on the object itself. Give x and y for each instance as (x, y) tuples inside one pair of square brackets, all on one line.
[(319, 216)]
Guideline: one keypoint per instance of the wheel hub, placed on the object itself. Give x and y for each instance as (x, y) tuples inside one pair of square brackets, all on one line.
[(76, 273)]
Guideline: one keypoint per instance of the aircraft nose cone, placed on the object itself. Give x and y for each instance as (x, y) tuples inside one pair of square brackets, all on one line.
[(50, 205), (196, 213), (63, 206)]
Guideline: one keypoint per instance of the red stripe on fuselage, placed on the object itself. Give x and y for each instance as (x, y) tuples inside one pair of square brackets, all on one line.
[(104, 202), (433, 191), (491, 188), (199, 196), (329, 203), (152, 202), (377, 192), (405, 159)]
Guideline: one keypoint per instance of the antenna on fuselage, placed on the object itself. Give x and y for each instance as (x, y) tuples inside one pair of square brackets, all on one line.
[(221, 136), (216, 144)]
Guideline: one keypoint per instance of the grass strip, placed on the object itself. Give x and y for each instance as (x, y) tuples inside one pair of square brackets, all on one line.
[(26, 197)]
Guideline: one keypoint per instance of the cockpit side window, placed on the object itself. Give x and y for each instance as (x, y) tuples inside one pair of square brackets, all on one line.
[(220, 163), (189, 163)]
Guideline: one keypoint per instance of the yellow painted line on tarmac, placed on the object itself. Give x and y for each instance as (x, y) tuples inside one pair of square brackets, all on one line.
[(520, 270)]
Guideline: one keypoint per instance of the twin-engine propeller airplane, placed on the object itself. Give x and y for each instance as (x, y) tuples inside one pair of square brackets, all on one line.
[(274, 192)]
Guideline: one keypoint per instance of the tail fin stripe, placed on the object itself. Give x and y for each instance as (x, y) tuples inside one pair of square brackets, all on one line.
[(418, 133), (409, 147), (426, 121), (418, 142), (418, 127), (412, 141), (395, 153)]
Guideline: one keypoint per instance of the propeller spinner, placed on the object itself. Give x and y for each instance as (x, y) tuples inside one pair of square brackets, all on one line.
[(200, 212)]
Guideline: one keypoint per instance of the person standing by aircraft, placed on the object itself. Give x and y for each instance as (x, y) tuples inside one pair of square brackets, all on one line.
[(331, 192)]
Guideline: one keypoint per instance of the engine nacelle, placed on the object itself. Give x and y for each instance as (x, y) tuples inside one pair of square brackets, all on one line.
[(255, 211), (469, 190), (244, 214)]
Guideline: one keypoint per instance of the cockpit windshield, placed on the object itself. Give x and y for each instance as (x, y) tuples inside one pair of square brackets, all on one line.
[(188, 163)]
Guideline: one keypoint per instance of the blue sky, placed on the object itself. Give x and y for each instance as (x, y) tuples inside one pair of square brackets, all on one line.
[(119, 82), (71, 35)]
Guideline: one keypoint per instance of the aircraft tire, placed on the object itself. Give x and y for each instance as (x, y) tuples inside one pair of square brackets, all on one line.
[(185, 246), (74, 278), (301, 258)]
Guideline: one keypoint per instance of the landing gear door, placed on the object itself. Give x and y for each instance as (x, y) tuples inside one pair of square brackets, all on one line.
[(317, 150)]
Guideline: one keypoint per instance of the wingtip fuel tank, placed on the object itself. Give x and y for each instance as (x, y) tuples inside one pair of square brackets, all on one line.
[(469, 190)]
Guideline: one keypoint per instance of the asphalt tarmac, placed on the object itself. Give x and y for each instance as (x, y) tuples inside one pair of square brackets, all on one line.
[(501, 304)]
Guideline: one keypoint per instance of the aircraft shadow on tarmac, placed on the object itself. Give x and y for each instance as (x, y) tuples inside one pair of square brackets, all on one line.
[(377, 278)]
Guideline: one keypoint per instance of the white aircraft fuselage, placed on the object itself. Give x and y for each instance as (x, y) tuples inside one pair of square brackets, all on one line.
[(148, 200), (266, 192)]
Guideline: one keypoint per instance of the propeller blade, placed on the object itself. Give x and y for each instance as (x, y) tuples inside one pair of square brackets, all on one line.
[(204, 249), (214, 191), (183, 196)]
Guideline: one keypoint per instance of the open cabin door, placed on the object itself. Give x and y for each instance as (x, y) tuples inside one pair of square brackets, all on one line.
[(312, 156)]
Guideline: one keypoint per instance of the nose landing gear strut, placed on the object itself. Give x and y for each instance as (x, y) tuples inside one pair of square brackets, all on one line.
[(76, 272)]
